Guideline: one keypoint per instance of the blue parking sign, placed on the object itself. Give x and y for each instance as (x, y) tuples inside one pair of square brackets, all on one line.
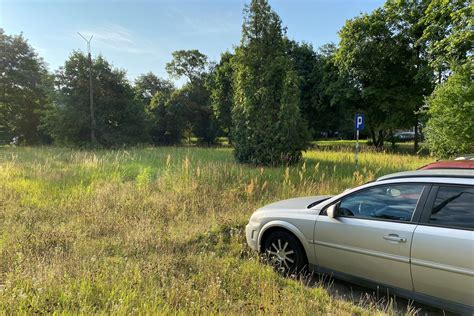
[(359, 122)]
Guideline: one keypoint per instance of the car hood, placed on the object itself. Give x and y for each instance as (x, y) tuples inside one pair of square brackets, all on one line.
[(296, 203)]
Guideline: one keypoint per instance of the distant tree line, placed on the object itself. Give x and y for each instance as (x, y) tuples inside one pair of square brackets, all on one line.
[(407, 64)]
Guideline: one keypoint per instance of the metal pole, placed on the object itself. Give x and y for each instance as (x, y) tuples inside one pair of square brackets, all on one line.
[(357, 148), (91, 98)]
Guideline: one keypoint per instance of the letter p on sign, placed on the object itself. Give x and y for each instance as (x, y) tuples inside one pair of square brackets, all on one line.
[(359, 122)]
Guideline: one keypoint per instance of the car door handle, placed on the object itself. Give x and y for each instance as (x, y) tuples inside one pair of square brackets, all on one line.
[(394, 238)]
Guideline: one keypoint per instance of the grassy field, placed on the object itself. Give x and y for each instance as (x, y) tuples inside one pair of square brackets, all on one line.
[(157, 229)]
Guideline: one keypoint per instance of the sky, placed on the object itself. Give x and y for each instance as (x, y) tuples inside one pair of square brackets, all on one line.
[(140, 35)]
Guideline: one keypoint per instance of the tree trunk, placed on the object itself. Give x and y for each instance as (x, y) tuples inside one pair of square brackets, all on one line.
[(374, 137), (392, 139), (381, 140), (377, 140)]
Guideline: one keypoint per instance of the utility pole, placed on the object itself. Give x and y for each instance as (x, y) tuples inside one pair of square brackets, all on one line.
[(91, 99)]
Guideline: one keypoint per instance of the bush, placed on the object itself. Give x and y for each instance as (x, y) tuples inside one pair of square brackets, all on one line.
[(450, 127)]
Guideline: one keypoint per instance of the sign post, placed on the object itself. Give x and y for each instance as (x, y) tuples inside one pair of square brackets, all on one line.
[(359, 125)]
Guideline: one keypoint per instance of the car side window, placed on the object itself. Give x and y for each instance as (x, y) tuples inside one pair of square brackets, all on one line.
[(453, 207), (395, 202)]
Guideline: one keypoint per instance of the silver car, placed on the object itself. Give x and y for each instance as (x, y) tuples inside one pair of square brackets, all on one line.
[(409, 232)]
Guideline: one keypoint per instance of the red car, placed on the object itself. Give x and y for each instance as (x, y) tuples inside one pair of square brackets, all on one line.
[(453, 164)]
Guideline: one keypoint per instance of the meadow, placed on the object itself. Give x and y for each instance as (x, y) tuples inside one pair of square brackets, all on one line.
[(152, 230)]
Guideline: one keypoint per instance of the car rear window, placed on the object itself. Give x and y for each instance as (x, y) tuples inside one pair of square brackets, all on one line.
[(454, 207)]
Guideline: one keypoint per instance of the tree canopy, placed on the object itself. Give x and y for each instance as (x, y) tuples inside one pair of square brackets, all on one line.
[(24, 83), (119, 120)]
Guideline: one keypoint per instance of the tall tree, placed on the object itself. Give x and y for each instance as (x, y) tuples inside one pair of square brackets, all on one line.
[(384, 65), (120, 120), (306, 64), (23, 90), (268, 127), (222, 92), (194, 96), (327, 96), (405, 19), (336, 97)]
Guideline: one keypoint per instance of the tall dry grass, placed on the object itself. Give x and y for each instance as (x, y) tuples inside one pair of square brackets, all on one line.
[(157, 230)]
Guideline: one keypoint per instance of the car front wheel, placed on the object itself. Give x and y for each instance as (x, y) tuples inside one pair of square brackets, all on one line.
[(284, 252)]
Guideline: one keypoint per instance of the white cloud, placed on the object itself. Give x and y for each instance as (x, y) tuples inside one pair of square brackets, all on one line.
[(117, 37)]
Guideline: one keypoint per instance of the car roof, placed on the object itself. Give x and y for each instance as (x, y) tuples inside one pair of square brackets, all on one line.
[(454, 164), (465, 157), (432, 173)]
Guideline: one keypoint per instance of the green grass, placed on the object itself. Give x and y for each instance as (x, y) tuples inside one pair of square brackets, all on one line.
[(400, 148), (157, 229)]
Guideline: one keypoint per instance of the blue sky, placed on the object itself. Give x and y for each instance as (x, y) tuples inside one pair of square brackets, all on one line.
[(140, 36)]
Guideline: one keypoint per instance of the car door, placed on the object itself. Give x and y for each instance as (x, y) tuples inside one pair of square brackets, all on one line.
[(442, 253), (372, 235)]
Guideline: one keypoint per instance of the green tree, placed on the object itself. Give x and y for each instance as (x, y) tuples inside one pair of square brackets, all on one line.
[(450, 128), (167, 118), (268, 127), (405, 19), (306, 63), (336, 97), (194, 96), (328, 98), (24, 83), (222, 92), (147, 85), (448, 34), (188, 63), (120, 119), (378, 53)]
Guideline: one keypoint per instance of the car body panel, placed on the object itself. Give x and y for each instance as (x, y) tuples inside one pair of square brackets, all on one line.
[(444, 258), (362, 245), (294, 204)]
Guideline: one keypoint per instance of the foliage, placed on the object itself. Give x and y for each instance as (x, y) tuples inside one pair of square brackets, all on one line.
[(189, 63), (222, 92), (120, 120), (268, 127), (450, 128), (448, 33), (194, 97), (337, 97), (328, 98), (378, 52), (166, 118), (158, 230), (24, 84), (306, 63), (147, 85)]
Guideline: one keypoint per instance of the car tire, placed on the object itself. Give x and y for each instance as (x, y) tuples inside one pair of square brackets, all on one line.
[(284, 252)]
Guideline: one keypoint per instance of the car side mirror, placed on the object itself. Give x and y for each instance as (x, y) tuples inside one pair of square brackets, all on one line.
[(332, 210)]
